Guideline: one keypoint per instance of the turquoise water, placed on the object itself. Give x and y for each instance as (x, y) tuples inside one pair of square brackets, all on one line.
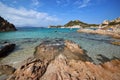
[(26, 39), (34, 33)]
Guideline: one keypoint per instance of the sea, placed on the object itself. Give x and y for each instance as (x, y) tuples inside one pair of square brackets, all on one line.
[(27, 38)]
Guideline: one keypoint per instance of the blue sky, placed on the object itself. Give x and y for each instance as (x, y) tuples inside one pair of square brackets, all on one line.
[(40, 13)]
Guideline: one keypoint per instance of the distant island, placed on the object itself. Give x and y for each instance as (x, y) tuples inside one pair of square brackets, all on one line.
[(74, 24), (6, 26)]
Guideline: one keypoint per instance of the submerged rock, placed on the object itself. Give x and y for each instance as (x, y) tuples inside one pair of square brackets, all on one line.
[(116, 43), (64, 60), (6, 48), (6, 26), (6, 69)]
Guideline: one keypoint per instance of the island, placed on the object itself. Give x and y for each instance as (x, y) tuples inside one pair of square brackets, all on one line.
[(6, 26), (74, 24)]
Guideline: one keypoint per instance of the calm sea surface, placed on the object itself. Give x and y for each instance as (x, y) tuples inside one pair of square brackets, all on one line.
[(26, 39)]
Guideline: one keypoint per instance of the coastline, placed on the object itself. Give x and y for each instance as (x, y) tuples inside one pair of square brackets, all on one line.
[(52, 61), (106, 53), (113, 34)]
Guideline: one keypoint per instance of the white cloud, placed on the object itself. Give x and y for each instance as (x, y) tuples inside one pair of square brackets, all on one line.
[(58, 2), (82, 3), (63, 3), (85, 3), (25, 17), (35, 2)]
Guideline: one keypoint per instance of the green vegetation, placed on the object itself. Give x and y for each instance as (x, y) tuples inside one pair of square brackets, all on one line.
[(113, 23), (110, 25), (76, 22), (73, 23)]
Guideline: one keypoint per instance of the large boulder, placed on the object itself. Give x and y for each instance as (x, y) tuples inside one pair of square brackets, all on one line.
[(6, 69), (6, 26), (49, 49), (6, 48), (64, 60)]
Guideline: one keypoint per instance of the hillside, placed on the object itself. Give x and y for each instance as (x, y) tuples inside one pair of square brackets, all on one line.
[(75, 24), (113, 24), (6, 26)]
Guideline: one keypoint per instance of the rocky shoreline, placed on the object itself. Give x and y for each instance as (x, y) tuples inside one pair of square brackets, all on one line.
[(110, 28), (60, 59), (102, 32)]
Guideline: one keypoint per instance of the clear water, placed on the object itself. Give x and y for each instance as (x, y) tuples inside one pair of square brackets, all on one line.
[(26, 39)]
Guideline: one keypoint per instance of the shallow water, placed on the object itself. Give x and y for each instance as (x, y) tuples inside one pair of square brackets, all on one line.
[(26, 39)]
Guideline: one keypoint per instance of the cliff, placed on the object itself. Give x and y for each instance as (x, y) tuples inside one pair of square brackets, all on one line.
[(6, 26)]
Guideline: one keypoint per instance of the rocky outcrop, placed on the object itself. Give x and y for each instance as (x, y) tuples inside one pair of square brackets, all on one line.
[(110, 28), (63, 69), (48, 50), (32, 69), (6, 69), (6, 26), (64, 60), (113, 24), (113, 34), (6, 48)]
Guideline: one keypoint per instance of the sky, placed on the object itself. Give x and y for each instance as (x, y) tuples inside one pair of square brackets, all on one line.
[(42, 13)]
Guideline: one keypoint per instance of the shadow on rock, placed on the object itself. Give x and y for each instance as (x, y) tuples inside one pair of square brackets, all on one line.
[(105, 59)]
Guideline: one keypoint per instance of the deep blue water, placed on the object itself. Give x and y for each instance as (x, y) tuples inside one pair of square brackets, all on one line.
[(26, 39)]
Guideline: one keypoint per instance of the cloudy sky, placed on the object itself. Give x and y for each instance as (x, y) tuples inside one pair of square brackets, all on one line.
[(41, 13)]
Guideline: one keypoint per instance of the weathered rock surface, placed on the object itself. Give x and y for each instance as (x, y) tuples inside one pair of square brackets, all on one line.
[(6, 69), (32, 69), (48, 50), (6, 48), (63, 69), (6, 26), (63, 60), (113, 34)]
